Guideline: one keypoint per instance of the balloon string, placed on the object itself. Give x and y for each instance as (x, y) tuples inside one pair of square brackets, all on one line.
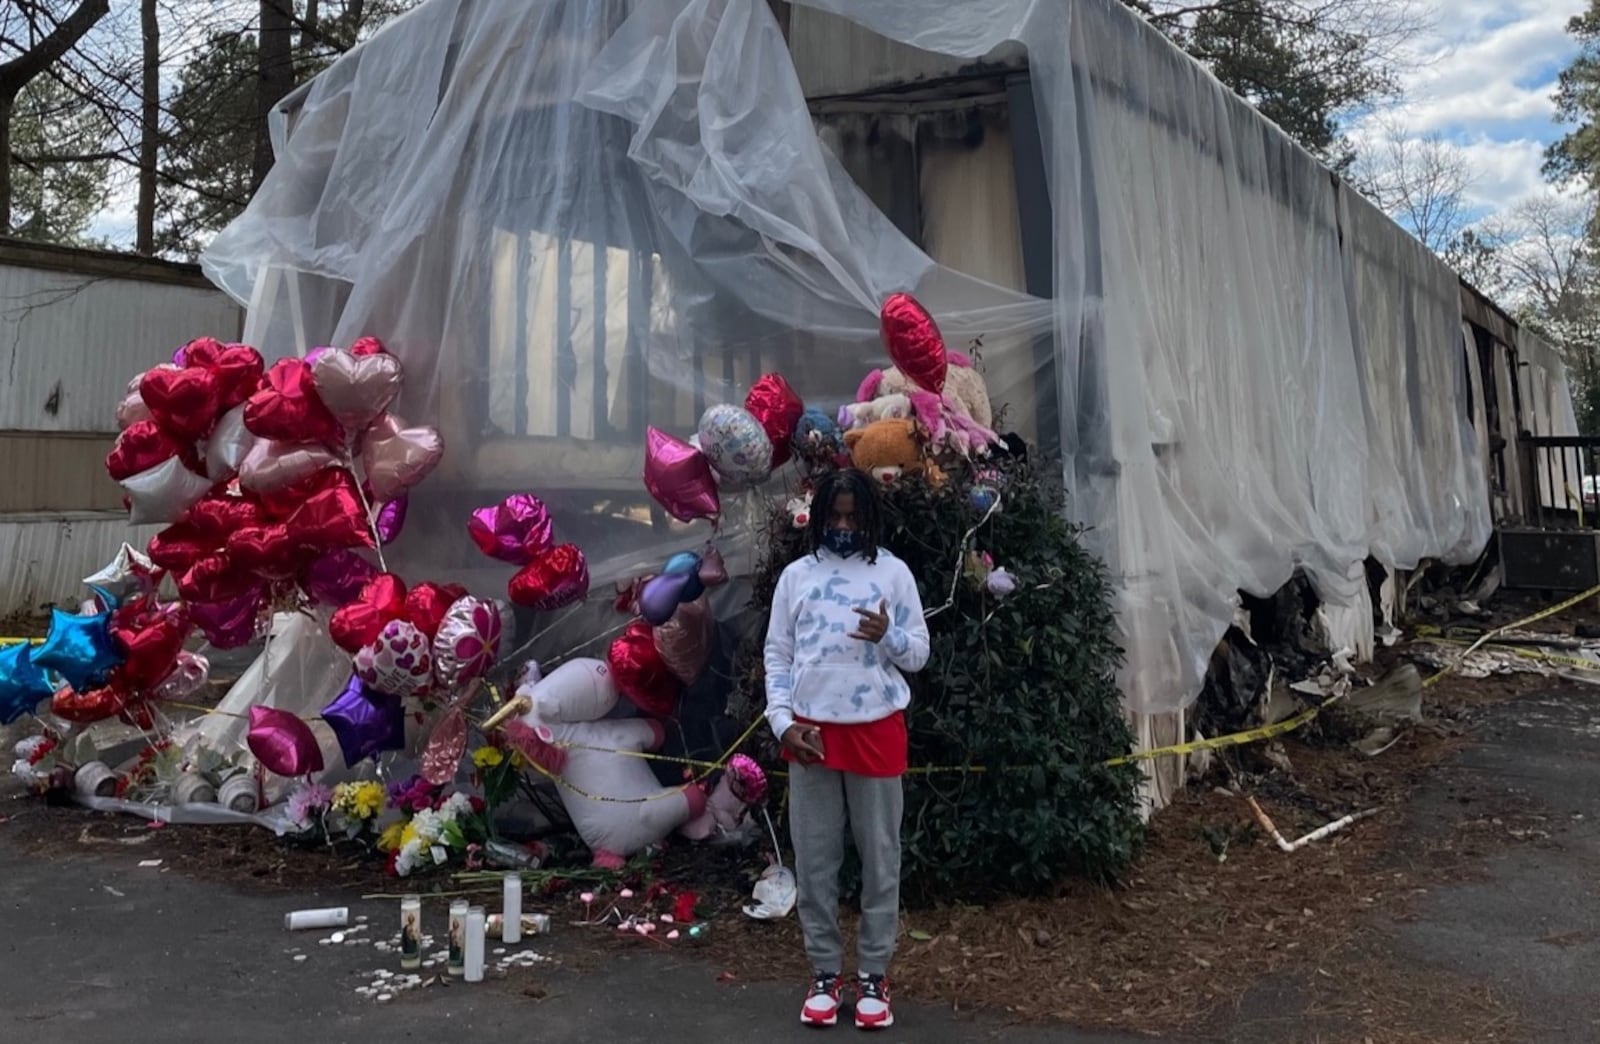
[(961, 554), (372, 519)]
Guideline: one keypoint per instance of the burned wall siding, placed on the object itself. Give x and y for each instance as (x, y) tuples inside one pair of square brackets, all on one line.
[(835, 57)]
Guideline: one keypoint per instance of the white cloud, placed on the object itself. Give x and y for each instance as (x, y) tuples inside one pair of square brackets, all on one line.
[(1483, 77), (1503, 171)]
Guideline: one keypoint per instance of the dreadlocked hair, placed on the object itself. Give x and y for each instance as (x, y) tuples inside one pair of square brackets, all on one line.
[(869, 509)]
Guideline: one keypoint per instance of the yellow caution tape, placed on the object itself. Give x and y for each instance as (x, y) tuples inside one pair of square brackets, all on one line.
[(1543, 614), (1236, 739), (1526, 652)]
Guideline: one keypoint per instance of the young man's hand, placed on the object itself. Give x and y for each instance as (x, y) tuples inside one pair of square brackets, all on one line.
[(804, 743), (874, 625)]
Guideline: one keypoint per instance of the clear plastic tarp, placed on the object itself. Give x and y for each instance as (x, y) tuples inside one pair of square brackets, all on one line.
[(572, 219)]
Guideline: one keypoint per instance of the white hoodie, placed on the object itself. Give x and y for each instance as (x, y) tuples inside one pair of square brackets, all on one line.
[(815, 670)]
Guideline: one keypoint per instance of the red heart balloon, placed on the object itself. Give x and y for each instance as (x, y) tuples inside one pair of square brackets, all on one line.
[(214, 579), (86, 708), (186, 403), (216, 516), (269, 551), (776, 405), (368, 346), (238, 367), (178, 547), (202, 351), (287, 408), (640, 672), (428, 603), (141, 446), (554, 580), (333, 517), (357, 624), (150, 639), (914, 342)]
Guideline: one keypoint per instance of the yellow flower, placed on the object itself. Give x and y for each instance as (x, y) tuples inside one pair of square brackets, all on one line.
[(408, 835), (392, 837), (368, 799), (487, 757), (361, 800)]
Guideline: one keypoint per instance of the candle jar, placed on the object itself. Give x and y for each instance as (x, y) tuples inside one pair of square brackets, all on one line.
[(472, 969), (512, 900), (411, 932), (456, 962)]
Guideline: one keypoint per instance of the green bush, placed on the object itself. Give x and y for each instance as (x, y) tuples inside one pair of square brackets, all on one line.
[(1023, 687)]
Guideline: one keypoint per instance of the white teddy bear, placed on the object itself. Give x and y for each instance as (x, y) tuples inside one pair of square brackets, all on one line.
[(856, 415)]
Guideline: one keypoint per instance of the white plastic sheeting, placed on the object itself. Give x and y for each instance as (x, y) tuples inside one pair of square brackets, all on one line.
[(1243, 389), (1564, 476)]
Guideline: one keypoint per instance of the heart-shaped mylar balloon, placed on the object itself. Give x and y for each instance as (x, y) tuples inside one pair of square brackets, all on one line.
[(356, 388)]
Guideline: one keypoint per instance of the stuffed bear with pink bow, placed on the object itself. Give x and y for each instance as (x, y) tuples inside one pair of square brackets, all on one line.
[(615, 802)]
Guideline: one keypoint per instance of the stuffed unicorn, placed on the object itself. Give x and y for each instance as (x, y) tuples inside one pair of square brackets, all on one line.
[(614, 800)]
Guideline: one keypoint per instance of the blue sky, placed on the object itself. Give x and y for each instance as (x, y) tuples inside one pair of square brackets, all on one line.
[(1482, 77)]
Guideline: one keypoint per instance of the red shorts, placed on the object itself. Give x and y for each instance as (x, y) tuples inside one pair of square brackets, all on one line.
[(869, 748)]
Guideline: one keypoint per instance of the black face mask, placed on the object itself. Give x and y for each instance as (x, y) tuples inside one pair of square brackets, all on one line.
[(843, 542)]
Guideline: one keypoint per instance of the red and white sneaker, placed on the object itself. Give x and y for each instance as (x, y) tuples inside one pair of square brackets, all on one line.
[(822, 1003), (872, 1003)]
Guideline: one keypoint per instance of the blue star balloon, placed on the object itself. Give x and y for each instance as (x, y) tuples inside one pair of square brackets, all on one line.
[(79, 648), (22, 684), (366, 721)]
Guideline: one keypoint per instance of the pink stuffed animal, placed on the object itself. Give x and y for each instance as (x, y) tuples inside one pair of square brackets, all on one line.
[(959, 419)]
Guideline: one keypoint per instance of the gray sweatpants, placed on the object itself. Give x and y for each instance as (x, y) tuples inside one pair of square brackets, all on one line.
[(821, 802)]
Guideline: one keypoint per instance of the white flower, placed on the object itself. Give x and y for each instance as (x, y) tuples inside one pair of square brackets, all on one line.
[(1000, 583), (429, 825), (456, 804), (405, 860)]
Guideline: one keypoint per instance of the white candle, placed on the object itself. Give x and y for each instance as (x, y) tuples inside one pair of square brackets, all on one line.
[(474, 948), (332, 917), (411, 932), (455, 964), (512, 930)]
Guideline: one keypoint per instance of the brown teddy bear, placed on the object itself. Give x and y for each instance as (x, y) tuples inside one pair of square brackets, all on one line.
[(888, 449)]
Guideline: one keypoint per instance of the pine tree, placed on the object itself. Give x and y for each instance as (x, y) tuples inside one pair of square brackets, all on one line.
[(1022, 688)]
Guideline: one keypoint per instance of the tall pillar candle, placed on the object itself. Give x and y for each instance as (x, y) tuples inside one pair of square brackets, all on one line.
[(411, 932), (474, 949), (455, 964), (512, 930)]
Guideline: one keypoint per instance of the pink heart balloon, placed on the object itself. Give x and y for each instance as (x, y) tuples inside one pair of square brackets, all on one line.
[(271, 465), (679, 477), (282, 742), (131, 410), (396, 457), (356, 389)]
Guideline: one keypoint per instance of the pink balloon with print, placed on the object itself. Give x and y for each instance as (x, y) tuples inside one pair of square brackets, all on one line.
[(468, 641), (398, 662)]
